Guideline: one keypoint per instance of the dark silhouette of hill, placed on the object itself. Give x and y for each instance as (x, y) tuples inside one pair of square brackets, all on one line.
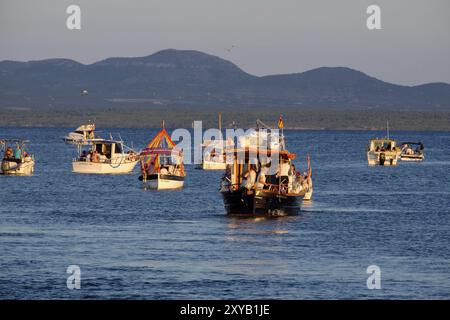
[(185, 77)]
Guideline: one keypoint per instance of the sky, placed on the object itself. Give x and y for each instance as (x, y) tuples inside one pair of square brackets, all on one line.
[(270, 36)]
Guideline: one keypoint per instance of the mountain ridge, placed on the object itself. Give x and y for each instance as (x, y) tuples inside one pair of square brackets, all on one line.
[(190, 77)]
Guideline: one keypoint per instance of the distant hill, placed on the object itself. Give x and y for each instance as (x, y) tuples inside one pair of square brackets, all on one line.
[(184, 77)]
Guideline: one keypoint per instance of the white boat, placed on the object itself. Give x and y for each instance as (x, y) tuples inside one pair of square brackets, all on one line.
[(383, 152), (81, 135), (214, 154), (16, 162), (412, 151), (162, 165), (104, 157)]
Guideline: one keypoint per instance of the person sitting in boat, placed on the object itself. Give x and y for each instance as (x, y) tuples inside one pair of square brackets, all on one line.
[(102, 157), (9, 153), (164, 170), (131, 155), (95, 157), (83, 156), (250, 177)]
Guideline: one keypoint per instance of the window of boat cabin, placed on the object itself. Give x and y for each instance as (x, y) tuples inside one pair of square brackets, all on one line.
[(117, 148)]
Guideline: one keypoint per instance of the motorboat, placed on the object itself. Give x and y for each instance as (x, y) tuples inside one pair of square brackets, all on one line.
[(16, 160), (412, 151), (383, 152), (102, 156), (81, 135), (214, 154)]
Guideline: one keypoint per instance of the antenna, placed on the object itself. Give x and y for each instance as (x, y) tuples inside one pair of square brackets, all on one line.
[(387, 129)]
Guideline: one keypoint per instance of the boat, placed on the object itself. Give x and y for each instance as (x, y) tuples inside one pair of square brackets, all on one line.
[(261, 180), (383, 152), (162, 165), (412, 151), (16, 160), (214, 154), (101, 156), (81, 135)]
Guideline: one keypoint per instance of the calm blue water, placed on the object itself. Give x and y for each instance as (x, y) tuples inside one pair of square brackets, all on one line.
[(133, 244)]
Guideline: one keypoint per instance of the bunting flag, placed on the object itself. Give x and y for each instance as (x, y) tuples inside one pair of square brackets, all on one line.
[(280, 122)]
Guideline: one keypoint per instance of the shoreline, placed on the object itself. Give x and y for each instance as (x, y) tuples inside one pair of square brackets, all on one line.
[(177, 117)]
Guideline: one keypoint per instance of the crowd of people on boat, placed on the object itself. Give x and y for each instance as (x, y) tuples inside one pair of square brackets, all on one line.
[(385, 147), (99, 157), (17, 155), (286, 178)]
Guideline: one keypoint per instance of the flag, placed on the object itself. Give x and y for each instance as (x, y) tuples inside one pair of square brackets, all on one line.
[(280, 122)]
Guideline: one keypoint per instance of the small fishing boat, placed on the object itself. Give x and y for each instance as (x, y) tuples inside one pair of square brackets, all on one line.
[(81, 135), (261, 180), (16, 161), (162, 163), (383, 152), (104, 157), (412, 151)]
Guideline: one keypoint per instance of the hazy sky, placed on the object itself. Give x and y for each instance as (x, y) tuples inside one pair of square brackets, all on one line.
[(271, 36)]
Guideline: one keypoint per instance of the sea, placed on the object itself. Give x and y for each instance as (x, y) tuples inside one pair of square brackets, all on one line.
[(131, 243)]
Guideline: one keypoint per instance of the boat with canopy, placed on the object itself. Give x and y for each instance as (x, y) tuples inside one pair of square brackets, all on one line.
[(102, 156), (16, 160), (162, 163), (261, 178)]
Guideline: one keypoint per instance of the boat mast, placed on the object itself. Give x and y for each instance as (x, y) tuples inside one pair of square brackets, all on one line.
[(387, 129)]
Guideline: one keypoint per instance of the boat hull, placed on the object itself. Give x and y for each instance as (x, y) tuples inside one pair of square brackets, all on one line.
[(13, 168), (260, 203), (308, 194), (382, 158), (163, 182), (209, 165), (412, 157), (103, 168)]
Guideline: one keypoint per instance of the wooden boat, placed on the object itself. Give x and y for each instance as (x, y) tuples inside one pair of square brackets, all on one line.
[(412, 151), (162, 164), (104, 157), (16, 162), (273, 196)]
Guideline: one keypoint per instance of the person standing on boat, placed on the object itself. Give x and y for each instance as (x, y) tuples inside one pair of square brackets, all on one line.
[(283, 172), (18, 153), (250, 177)]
